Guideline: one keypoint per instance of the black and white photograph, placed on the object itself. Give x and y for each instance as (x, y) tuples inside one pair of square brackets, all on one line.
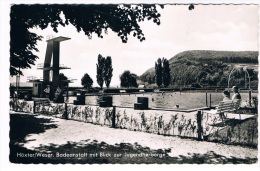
[(132, 83)]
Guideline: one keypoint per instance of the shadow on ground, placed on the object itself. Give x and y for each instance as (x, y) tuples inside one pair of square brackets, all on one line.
[(23, 124), (92, 150)]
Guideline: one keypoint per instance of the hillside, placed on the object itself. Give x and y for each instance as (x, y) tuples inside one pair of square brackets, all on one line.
[(207, 68), (224, 56)]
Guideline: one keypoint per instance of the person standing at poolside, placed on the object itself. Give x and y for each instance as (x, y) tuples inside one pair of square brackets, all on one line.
[(47, 91), (236, 96), (57, 93), (226, 95)]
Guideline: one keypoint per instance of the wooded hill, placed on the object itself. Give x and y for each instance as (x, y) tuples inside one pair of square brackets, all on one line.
[(200, 68)]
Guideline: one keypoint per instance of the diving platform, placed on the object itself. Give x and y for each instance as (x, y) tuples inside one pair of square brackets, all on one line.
[(51, 67), (56, 39), (32, 79)]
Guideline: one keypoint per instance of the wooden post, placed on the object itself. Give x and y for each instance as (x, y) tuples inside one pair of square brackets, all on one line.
[(114, 117), (67, 93), (34, 107), (206, 98), (210, 100), (199, 122), (66, 112), (250, 94)]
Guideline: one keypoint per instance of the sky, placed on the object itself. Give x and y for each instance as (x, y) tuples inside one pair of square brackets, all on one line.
[(207, 27)]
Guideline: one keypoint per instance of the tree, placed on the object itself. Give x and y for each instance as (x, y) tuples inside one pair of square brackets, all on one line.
[(162, 72), (196, 85), (123, 19), (108, 71), (63, 79), (158, 72), (104, 70), (215, 78), (166, 75), (86, 81), (100, 70), (128, 79), (223, 82), (150, 79)]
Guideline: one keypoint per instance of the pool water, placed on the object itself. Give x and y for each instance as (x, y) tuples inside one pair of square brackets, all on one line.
[(188, 100)]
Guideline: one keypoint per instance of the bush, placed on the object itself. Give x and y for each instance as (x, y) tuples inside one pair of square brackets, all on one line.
[(196, 85)]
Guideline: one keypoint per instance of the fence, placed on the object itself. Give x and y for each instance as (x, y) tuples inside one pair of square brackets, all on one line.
[(201, 126)]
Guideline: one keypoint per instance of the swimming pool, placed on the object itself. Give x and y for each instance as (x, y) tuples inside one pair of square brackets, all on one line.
[(185, 100)]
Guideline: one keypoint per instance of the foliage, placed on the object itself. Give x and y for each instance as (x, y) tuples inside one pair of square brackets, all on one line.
[(207, 68), (62, 77), (88, 113), (86, 81), (233, 131), (191, 7), (158, 72), (98, 114), (143, 120), (208, 56), (108, 116), (166, 75), (104, 70), (196, 85), (22, 43), (128, 79), (122, 19), (149, 76), (100, 70), (162, 73), (108, 71)]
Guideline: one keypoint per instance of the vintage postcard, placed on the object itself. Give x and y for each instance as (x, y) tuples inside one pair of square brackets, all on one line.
[(133, 83)]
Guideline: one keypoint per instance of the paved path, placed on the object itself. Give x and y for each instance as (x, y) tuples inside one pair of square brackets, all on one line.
[(74, 131)]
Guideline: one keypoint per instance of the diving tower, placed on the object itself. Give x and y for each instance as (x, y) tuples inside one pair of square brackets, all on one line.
[(51, 68), (53, 54)]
